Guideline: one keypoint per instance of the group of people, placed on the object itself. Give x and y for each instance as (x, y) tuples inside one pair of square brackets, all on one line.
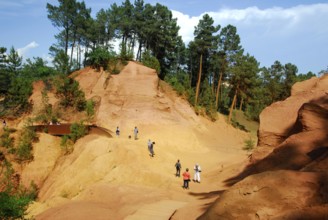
[(186, 174), (135, 131)]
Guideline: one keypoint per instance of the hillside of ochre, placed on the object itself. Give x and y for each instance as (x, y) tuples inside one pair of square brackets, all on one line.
[(114, 177), (110, 177)]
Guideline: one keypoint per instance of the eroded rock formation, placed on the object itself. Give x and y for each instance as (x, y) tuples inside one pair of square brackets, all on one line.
[(287, 176)]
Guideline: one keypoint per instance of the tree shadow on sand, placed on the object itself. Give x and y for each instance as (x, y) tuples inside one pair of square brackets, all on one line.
[(207, 195), (289, 156)]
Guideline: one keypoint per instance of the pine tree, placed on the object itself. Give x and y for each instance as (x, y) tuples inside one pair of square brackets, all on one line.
[(4, 74), (229, 46), (243, 78), (205, 41)]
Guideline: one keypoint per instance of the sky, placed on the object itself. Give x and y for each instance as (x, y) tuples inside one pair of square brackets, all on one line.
[(293, 31)]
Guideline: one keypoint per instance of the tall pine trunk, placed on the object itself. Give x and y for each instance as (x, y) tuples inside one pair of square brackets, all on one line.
[(199, 78), (190, 72), (213, 83), (218, 91), (66, 39), (78, 53), (241, 103), (72, 51), (139, 51), (232, 105), (73, 45)]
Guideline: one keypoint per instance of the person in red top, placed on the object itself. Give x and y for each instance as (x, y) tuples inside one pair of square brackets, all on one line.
[(186, 179)]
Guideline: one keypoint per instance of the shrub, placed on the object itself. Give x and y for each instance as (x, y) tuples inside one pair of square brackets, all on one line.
[(6, 179), (180, 82), (90, 108), (16, 101), (34, 191), (24, 151), (46, 114), (46, 130), (236, 124), (13, 206), (70, 94), (24, 147), (125, 54), (199, 110), (6, 141), (115, 65), (249, 144), (99, 57), (14, 201), (78, 130), (149, 60), (66, 144)]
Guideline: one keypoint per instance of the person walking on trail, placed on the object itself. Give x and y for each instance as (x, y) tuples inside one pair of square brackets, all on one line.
[(197, 173), (117, 131), (178, 168), (186, 179), (4, 123), (150, 148), (135, 133)]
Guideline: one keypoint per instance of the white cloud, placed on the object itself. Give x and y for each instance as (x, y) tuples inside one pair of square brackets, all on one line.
[(187, 25), (284, 34), (275, 20), (24, 50), (48, 59)]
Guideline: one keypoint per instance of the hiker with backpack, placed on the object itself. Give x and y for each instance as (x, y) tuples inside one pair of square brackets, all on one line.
[(177, 167)]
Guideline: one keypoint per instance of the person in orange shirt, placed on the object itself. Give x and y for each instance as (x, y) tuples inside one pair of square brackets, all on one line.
[(186, 179)]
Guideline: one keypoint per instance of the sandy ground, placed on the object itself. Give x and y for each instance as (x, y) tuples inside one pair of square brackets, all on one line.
[(115, 178)]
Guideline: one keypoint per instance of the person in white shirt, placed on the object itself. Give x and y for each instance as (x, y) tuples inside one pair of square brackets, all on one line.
[(197, 173), (136, 131)]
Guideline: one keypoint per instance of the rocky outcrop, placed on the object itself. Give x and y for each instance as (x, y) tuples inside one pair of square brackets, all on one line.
[(288, 171), (279, 120)]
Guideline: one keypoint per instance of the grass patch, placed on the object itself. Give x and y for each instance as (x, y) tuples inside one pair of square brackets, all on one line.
[(249, 125)]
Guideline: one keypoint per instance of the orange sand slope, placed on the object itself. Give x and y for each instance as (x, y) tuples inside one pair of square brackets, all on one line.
[(115, 178)]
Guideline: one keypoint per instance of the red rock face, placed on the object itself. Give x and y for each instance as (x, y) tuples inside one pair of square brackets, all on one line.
[(280, 120), (288, 172)]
